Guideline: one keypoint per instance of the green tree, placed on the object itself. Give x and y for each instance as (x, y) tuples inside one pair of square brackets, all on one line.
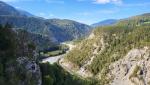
[(48, 80)]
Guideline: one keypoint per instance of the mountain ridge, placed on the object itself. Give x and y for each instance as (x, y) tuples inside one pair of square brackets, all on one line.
[(6, 9), (105, 22), (58, 31)]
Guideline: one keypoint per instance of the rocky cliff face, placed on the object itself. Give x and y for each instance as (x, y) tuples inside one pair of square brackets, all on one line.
[(133, 69), (30, 70), (18, 58), (23, 72)]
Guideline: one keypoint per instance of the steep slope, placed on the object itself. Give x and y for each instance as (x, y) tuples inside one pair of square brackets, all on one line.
[(19, 64), (94, 56), (105, 23), (30, 24), (71, 28), (53, 74), (17, 60), (38, 40), (133, 69), (57, 30)]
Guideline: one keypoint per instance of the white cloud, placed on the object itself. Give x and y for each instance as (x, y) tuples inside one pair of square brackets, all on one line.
[(55, 1), (81, 0), (108, 1), (117, 2), (49, 1), (9, 0), (102, 1), (15, 0)]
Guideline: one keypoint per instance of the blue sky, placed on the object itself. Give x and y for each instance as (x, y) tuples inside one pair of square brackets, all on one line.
[(85, 11)]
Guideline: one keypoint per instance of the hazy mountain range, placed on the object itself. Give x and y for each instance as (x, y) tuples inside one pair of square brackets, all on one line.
[(56, 29), (105, 22)]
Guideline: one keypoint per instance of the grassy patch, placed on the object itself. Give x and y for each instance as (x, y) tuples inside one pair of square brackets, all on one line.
[(54, 51)]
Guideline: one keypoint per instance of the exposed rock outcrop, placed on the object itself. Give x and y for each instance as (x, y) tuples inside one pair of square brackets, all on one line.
[(133, 69), (26, 71)]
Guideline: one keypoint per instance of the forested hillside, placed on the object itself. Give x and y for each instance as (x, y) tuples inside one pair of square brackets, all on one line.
[(38, 40), (56, 75), (56, 30), (17, 59), (19, 64), (107, 45)]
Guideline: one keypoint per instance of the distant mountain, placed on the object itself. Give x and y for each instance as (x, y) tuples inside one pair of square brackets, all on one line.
[(105, 22), (7, 10), (55, 29), (58, 31), (69, 29)]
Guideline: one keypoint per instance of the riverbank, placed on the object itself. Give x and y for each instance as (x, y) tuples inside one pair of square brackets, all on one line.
[(54, 59)]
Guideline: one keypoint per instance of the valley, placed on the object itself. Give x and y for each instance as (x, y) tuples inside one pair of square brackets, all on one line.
[(55, 59), (60, 51)]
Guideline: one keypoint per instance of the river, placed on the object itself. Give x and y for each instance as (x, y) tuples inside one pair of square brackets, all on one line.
[(54, 59)]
